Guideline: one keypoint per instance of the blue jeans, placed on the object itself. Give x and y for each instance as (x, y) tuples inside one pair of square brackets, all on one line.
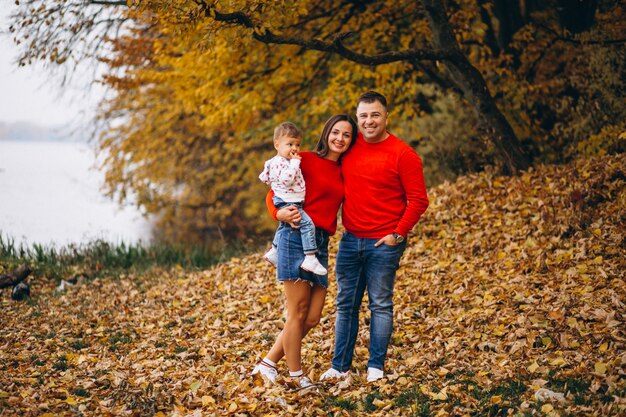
[(361, 265), (307, 228)]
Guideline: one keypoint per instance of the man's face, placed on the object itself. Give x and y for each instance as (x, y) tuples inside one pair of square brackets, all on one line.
[(287, 146), (372, 120)]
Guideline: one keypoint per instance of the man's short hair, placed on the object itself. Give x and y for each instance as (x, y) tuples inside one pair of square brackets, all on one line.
[(370, 97), (287, 129)]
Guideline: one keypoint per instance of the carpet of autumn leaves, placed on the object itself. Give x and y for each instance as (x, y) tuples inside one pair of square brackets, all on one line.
[(508, 285)]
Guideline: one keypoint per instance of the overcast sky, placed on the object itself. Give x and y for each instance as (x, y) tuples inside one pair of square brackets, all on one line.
[(31, 94)]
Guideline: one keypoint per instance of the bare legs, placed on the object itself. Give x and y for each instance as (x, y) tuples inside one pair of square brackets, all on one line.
[(304, 310)]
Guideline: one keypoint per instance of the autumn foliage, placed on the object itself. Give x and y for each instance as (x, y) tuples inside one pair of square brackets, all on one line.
[(194, 95), (509, 287)]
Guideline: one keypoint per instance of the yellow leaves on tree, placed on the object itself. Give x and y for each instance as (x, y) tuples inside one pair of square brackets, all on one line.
[(195, 107), (196, 92)]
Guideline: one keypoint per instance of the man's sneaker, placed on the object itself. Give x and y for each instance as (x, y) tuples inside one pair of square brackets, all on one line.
[(332, 373), (271, 256), (311, 264), (266, 371), (374, 374)]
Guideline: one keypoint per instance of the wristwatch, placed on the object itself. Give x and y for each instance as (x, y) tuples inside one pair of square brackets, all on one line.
[(398, 237)]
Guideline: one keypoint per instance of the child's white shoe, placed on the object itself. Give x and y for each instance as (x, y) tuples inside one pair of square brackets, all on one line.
[(311, 264), (271, 256)]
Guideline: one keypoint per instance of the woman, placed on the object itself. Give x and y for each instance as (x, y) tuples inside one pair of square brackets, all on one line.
[(305, 292)]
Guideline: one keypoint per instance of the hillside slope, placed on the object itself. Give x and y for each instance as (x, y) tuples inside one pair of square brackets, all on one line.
[(508, 285)]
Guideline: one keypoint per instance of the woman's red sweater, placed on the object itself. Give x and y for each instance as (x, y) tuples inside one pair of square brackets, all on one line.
[(324, 191)]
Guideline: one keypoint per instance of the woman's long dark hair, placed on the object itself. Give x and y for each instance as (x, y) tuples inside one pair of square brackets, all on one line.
[(322, 144)]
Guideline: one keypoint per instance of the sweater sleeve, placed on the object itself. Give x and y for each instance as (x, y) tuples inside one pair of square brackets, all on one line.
[(412, 179), (270, 204), (264, 176), (288, 172)]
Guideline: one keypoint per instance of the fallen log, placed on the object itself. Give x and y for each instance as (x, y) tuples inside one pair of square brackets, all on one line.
[(13, 278)]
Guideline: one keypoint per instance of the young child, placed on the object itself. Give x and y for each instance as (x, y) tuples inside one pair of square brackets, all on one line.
[(283, 174)]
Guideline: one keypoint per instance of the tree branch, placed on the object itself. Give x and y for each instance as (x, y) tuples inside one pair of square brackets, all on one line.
[(558, 37), (109, 3), (336, 46)]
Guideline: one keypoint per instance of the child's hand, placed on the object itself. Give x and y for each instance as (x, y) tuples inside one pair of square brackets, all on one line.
[(295, 155)]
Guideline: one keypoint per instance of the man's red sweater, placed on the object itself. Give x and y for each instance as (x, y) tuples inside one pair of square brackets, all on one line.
[(324, 191), (384, 188)]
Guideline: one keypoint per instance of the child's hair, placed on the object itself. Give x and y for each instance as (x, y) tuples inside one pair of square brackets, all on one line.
[(287, 129)]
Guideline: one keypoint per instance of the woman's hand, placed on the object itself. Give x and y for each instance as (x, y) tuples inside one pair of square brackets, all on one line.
[(289, 214)]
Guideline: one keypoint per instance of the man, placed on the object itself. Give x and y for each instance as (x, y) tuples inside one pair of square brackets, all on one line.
[(385, 196)]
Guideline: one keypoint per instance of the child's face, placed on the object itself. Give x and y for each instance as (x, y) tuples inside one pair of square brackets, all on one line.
[(287, 146)]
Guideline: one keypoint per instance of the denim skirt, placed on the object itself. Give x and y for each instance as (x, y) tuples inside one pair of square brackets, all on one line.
[(291, 255)]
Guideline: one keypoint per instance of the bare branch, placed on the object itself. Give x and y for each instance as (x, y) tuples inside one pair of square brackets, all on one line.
[(109, 3)]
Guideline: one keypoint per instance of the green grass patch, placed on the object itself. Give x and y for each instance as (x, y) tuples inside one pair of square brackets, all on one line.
[(343, 403), (61, 363), (414, 400), (513, 388), (180, 349), (78, 344), (573, 385), (577, 387), (81, 392), (36, 361), (368, 401), (118, 339), (510, 391), (100, 258)]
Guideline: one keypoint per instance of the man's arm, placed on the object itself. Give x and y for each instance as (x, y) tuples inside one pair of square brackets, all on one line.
[(412, 180)]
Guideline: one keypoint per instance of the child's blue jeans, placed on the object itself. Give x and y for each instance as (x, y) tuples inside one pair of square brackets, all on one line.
[(307, 228)]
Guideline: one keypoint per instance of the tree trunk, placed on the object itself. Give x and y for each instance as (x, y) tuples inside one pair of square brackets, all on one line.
[(500, 131), (475, 90), (510, 20), (577, 16)]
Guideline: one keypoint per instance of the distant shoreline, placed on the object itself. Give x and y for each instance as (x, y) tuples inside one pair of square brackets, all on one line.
[(32, 132)]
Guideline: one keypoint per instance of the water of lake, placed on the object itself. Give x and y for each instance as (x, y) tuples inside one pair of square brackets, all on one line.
[(50, 194)]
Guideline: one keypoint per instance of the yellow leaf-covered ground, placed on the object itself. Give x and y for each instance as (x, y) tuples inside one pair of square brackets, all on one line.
[(509, 300)]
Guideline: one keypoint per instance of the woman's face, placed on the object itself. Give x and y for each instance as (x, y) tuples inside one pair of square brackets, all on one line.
[(339, 139)]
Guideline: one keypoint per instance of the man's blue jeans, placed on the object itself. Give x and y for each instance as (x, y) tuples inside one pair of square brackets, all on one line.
[(361, 265)]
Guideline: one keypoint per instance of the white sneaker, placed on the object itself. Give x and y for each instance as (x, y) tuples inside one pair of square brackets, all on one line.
[(332, 373), (266, 371), (305, 384), (374, 374), (271, 256), (311, 264)]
